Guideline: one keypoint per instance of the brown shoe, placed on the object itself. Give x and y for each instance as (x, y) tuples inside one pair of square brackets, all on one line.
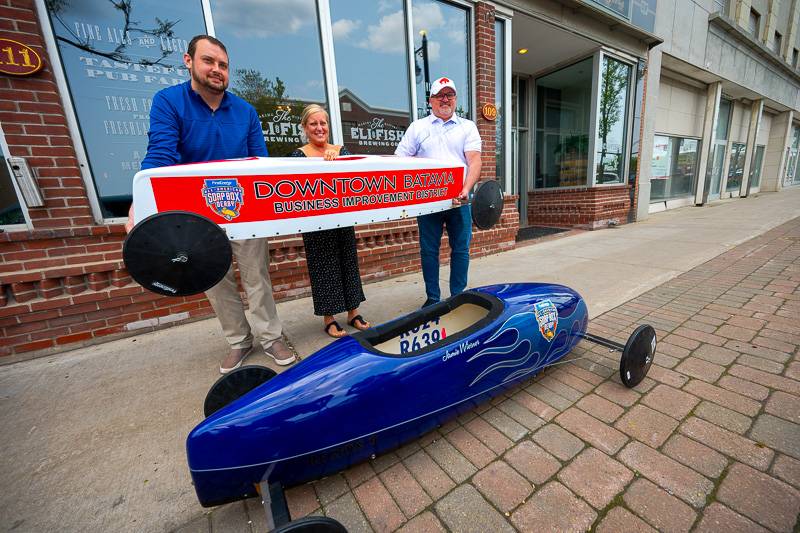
[(234, 359), (281, 353)]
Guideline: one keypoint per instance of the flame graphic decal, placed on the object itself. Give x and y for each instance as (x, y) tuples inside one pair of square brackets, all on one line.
[(517, 338)]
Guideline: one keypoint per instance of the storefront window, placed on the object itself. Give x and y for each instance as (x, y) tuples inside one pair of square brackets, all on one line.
[(758, 162), (792, 161), (736, 167), (499, 94), (612, 120), (563, 110), (441, 46), (10, 209), (372, 70), (116, 56), (673, 168), (723, 119), (275, 64)]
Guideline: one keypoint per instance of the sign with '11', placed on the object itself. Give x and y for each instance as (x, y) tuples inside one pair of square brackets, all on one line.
[(18, 59)]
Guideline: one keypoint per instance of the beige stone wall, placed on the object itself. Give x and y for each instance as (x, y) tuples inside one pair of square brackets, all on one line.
[(680, 109), (740, 122), (764, 128)]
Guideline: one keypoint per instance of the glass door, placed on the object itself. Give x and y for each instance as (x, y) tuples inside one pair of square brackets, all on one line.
[(755, 169), (735, 169), (720, 147), (791, 176)]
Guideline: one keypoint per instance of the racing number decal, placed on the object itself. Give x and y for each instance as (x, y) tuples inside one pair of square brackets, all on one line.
[(421, 336)]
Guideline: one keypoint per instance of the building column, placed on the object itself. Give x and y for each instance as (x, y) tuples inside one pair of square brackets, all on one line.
[(780, 140), (770, 24), (756, 108), (652, 84), (741, 13), (791, 32), (486, 56), (713, 95)]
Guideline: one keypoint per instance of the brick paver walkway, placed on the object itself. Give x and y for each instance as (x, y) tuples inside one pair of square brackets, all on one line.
[(710, 441)]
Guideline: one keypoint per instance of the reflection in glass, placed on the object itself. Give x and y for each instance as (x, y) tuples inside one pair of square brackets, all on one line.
[(10, 210), (755, 172), (736, 167), (720, 145), (116, 56), (499, 92), (716, 169), (673, 168), (792, 163), (281, 83), (372, 70), (563, 108), (612, 120), (445, 31), (723, 120)]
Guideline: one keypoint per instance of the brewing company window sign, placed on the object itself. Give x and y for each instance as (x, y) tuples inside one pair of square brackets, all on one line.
[(116, 56)]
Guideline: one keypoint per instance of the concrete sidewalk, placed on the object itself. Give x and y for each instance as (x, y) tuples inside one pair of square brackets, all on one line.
[(94, 439)]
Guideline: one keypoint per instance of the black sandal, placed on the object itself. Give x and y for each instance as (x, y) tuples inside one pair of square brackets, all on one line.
[(364, 323), (338, 330)]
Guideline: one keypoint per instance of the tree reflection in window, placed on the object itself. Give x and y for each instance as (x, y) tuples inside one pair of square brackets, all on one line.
[(276, 63), (612, 120)]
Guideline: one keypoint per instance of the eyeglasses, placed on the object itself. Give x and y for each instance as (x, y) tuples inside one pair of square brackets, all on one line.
[(449, 96)]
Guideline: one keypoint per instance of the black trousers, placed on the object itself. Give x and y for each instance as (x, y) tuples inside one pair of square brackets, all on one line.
[(333, 268)]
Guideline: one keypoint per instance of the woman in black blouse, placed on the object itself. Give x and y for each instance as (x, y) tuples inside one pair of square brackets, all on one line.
[(330, 254)]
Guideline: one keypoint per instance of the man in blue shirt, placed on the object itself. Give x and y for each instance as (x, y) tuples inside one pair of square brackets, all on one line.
[(200, 121), (446, 136)]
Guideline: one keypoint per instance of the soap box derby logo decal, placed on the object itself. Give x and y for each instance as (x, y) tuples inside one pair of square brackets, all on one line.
[(547, 317), (224, 197), (281, 196)]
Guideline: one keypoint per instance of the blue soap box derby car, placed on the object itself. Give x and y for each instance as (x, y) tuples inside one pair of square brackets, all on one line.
[(368, 393)]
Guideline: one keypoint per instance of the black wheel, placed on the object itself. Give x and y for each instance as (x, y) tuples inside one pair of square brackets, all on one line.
[(487, 204), (177, 253), (637, 356), (235, 384), (312, 524)]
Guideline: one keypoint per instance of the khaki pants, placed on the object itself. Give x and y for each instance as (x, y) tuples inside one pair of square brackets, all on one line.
[(252, 255)]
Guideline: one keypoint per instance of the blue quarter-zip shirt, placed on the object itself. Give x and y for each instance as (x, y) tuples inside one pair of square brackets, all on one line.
[(183, 129)]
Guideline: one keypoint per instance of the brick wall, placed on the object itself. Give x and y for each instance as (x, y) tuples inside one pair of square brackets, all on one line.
[(485, 88), (588, 208), (63, 283)]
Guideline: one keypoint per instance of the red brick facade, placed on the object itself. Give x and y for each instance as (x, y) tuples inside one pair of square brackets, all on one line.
[(484, 77), (587, 208), (64, 283)]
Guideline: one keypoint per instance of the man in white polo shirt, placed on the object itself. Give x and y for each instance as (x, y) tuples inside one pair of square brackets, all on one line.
[(446, 136)]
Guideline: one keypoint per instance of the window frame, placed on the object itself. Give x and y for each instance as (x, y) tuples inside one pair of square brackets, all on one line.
[(329, 69), (506, 104), (777, 40), (57, 66), (471, 74), (28, 224), (601, 53), (754, 15), (532, 96), (695, 177)]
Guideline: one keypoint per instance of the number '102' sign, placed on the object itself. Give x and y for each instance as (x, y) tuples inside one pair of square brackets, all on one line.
[(18, 59)]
